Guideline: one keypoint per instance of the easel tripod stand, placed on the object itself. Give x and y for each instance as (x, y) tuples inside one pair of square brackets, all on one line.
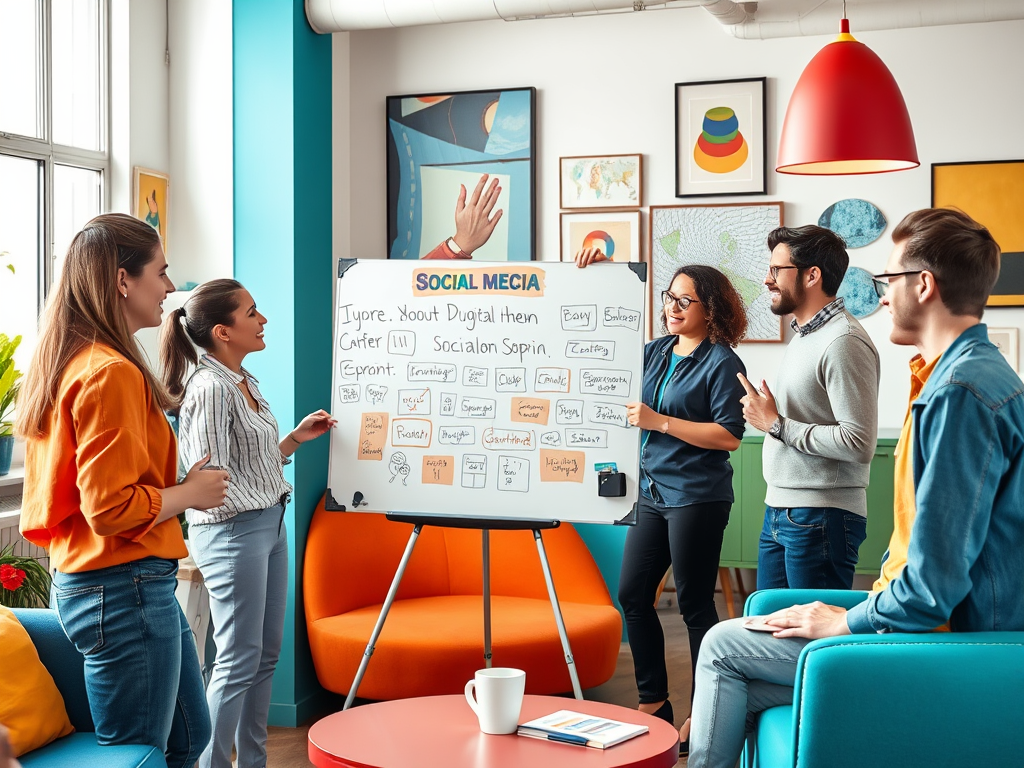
[(485, 526)]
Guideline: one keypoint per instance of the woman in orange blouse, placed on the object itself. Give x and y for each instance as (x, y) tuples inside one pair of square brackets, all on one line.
[(101, 496)]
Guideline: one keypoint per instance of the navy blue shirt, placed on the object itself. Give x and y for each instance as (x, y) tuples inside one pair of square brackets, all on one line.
[(702, 387)]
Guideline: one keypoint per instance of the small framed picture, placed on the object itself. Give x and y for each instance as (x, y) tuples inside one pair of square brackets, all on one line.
[(151, 191), (615, 233), (604, 181), (1007, 342), (721, 138)]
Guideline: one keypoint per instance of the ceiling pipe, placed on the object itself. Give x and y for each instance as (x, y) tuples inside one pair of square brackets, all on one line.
[(820, 17), (327, 16)]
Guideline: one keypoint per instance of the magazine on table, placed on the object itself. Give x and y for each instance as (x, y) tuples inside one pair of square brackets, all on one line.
[(584, 730)]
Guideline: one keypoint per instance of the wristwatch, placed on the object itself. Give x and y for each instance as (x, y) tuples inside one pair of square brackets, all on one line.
[(450, 242), (775, 430)]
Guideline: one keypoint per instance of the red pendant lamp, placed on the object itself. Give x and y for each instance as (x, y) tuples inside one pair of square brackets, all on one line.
[(846, 116)]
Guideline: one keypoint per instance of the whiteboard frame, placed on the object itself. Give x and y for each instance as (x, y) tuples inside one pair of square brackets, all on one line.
[(625, 511)]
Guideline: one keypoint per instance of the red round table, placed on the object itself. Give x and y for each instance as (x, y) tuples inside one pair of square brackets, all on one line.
[(443, 732)]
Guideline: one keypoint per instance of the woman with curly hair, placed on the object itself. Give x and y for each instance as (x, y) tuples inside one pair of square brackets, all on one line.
[(691, 419)]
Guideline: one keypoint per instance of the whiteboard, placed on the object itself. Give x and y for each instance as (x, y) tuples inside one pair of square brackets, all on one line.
[(485, 390)]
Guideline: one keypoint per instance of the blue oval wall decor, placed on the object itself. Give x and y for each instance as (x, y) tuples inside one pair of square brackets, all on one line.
[(858, 292), (858, 222)]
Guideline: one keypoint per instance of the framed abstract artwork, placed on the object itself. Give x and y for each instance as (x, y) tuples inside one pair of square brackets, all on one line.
[(721, 138), (991, 193), (150, 195), (615, 233), (440, 142), (605, 181), (733, 238), (1007, 341)]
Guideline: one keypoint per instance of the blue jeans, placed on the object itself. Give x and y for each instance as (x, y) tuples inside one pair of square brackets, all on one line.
[(809, 548), (244, 562), (740, 673), (141, 666)]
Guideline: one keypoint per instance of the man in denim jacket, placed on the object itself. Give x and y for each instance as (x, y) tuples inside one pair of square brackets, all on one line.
[(963, 563)]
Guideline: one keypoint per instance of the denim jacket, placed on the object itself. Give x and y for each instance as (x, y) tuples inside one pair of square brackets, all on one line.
[(965, 562), (702, 387)]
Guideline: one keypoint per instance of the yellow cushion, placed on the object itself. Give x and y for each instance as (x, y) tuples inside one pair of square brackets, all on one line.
[(30, 705)]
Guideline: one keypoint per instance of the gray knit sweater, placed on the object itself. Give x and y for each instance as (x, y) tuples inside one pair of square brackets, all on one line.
[(827, 392)]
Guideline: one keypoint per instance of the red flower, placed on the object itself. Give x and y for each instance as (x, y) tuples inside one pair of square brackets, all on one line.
[(11, 577)]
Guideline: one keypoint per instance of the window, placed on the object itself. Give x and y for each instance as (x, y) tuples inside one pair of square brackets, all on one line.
[(54, 149)]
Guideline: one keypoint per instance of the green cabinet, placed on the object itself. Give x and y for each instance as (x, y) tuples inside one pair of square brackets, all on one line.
[(739, 549)]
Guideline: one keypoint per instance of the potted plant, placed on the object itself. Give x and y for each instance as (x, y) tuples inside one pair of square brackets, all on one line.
[(24, 582), (9, 383)]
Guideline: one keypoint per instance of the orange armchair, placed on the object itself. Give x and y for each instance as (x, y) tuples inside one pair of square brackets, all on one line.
[(432, 641)]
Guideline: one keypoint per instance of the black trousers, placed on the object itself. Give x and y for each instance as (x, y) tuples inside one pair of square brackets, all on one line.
[(690, 539)]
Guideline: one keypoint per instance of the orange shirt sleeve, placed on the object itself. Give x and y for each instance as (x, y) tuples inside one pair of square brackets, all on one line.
[(110, 415), (444, 252)]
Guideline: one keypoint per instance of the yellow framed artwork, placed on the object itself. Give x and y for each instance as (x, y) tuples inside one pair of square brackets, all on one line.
[(150, 194), (991, 193)]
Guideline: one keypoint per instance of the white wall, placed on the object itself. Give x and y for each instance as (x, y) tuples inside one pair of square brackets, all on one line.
[(139, 94), (201, 235), (605, 85)]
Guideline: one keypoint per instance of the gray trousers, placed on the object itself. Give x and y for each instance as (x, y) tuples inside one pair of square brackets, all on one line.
[(244, 562)]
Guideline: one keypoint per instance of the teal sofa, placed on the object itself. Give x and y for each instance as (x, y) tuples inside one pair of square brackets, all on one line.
[(67, 667), (908, 700)]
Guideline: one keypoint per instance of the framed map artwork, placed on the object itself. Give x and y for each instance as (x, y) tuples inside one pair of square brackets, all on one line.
[(733, 239), (607, 181), (438, 143)]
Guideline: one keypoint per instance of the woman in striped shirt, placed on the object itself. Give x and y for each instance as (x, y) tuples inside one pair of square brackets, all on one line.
[(240, 546)]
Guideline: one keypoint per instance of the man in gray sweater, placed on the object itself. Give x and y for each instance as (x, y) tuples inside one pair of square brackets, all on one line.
[(821, 425)]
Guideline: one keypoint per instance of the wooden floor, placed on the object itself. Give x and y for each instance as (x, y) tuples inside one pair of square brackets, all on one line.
[(287, 746)]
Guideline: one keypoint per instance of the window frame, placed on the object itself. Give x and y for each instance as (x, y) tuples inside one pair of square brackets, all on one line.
[(45, 150)]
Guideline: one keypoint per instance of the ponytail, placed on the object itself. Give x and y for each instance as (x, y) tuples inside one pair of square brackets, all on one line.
[(210, 305), (176, 354)]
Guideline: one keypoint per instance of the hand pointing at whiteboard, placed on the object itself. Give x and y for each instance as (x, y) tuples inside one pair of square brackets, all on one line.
[(645, 417), (310, 428)]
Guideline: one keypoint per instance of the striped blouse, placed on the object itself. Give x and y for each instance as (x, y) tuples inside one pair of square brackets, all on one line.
[(215, 419)]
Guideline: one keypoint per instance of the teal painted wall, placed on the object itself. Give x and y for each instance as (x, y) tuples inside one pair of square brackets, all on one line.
[(282, 221)]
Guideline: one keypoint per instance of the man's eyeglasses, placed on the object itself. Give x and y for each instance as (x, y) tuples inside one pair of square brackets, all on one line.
[(681, 302), (774, 270), (881, 282)]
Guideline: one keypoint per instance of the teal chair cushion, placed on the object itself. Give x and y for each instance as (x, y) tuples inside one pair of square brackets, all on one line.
[(81, 749), (775, 738)]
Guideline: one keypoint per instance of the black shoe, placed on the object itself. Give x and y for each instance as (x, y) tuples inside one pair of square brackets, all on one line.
[(665, 713), (684, 748)]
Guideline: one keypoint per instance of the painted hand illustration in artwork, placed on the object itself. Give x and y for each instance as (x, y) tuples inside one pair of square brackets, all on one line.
[(399, 467)]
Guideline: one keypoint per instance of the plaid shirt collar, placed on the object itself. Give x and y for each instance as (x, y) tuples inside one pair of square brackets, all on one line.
[(825, 314)]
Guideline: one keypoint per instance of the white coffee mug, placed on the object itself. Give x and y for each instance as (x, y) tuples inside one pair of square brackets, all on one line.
[(499, 698)]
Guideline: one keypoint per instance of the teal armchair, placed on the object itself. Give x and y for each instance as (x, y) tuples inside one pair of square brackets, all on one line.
[(908, 700)]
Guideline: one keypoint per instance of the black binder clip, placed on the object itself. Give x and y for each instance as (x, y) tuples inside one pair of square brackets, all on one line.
[(611, 483)]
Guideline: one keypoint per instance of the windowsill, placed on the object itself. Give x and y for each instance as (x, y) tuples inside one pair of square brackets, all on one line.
[(13, 480)]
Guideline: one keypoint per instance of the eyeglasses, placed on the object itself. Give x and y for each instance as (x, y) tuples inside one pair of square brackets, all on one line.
[(774, 269), (881, 282), (681, 302)]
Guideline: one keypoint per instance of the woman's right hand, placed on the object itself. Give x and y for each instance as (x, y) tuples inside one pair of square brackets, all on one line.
[(587, 256), (208, 488)]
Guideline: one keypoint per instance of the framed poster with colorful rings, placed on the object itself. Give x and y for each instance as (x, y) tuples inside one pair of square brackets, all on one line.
[(615, 233), (721, 138)]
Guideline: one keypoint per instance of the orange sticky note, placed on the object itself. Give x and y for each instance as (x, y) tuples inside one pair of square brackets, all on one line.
[(373, 434), (438, 470), (530, 410), (562, 466)]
